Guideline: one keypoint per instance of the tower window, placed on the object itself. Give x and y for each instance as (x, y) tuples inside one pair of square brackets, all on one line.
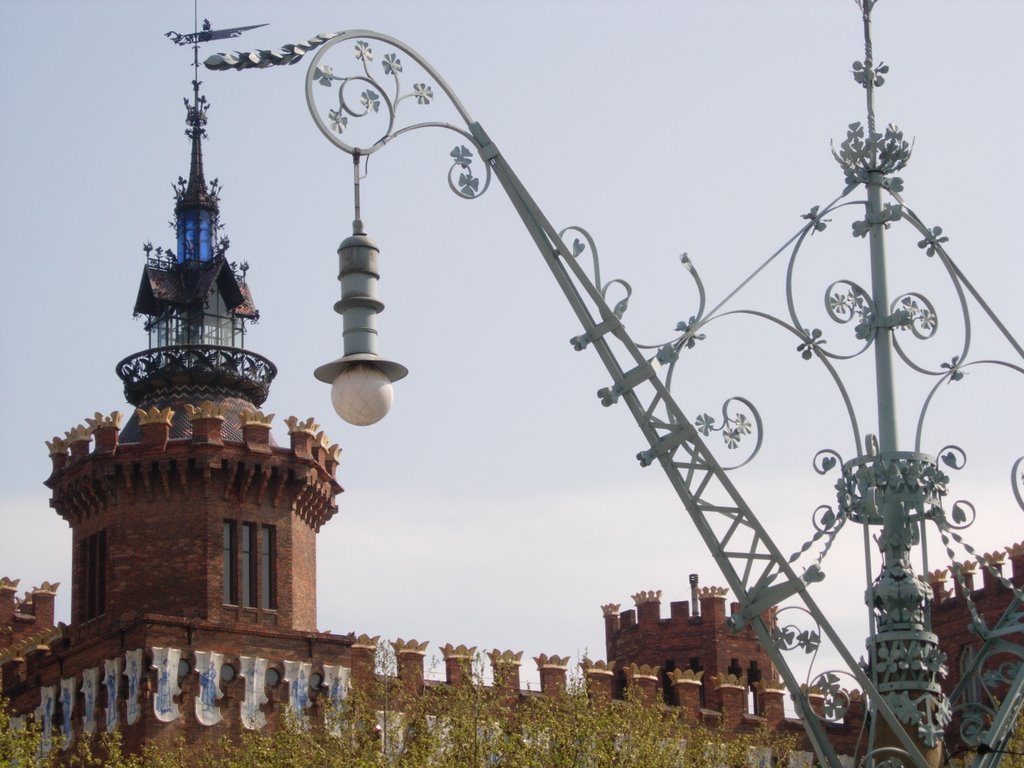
[(268, 574), (230, 556), (93, 552), (250, 565)]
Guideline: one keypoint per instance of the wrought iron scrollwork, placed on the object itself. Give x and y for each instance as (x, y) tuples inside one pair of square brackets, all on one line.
[(145, 372), (740, 422), (1017, 481), (792, 635), (369, 86)]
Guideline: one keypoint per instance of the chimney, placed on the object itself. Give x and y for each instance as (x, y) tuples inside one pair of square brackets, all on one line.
[(937, 581), (256, 430), (105, 430), (207, 420), (600, 677), (410, 663), (458, 663), (364, 657), (645, 680), (611, 623), (8, 600), (963, 572), (58, 450), (686, 683), (302, 434), (712, 604), (43, 597), (78, 440), (156, 427), (993, 571), (505, 667), (552, 673), (1016, 555), (648, 608), (771, 696), (731, 691), (694, 586)]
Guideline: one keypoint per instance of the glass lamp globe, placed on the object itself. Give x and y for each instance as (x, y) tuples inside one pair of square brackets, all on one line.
[(362, 394)]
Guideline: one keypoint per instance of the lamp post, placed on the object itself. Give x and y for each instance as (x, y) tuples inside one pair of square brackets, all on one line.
[(896, 492)]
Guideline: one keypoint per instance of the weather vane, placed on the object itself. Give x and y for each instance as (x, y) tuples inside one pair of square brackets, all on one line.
[(204, 35)]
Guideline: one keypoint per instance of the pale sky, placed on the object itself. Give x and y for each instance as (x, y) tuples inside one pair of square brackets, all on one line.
[(499, 504)]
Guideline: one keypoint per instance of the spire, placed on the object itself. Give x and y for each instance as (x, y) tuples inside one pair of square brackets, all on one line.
[(196, 303), (196, 210), (196, 192)]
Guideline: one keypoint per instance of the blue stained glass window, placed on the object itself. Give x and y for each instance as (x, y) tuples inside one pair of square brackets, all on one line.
[(195, 235)]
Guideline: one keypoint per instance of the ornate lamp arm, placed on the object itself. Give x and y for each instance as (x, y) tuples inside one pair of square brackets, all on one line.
[(758, 573)]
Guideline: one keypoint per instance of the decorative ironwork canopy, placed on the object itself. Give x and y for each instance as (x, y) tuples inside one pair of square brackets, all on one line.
[(361, 102)]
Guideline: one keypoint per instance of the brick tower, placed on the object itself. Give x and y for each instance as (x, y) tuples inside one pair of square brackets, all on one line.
[(194, 534), (694, 645)]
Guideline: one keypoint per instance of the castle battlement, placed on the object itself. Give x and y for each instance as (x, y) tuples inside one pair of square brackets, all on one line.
[(22, 619), (170, 677), (950, 584), (166, 675), (684, 658)]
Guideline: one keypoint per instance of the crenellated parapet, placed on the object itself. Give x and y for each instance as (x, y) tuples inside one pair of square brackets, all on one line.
[(143, 691), (1001, 570), (86, 483), (964, 608), (695, 647)]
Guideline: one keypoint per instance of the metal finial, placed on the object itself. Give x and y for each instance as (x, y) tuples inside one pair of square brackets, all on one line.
[(204, 35)]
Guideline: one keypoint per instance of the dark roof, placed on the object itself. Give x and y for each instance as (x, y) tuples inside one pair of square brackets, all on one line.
[(188, 284)]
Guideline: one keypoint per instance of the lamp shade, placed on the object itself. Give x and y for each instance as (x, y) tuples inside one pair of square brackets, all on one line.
[(362, 394)]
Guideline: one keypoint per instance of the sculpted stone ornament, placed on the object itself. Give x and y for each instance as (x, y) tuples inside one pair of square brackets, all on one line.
[(90, 687), (208, 665), (165, 662), (254, 673), (133, 673), (111, 677), (67, 708), (44, 716), (296, 674), (295, 425), (338, 680)]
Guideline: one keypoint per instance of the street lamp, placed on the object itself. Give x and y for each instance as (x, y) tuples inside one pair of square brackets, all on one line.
[(360, 380), (884, 488)]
